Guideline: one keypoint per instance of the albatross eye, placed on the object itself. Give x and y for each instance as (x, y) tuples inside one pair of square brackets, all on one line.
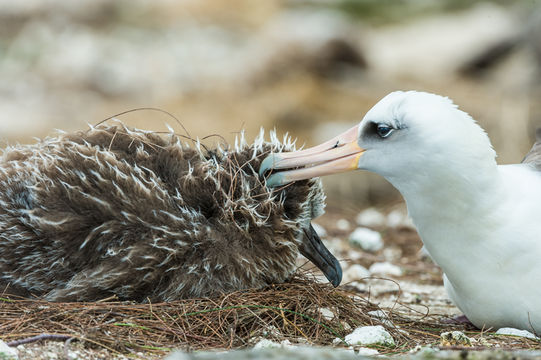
[(384, 130)]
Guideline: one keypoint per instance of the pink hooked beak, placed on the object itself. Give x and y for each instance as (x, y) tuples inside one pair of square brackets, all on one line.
[(339, 154)]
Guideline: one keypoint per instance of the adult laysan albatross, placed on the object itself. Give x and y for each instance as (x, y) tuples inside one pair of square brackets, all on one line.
[(480, 222)]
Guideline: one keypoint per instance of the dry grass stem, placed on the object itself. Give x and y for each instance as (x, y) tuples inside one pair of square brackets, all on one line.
[(285, 311)]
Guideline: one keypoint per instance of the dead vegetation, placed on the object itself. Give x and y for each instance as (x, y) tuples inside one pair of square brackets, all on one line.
[(286, 311), (282, 311)]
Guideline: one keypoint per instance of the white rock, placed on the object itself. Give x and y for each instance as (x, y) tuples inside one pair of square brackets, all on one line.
[(343, 224), (370, 217), (354, 272), (320, 230), (385, 268), (345, 325), (370, 335), (327, 314), (9, 352), (366, 239), (516, 332), (393, 253), (354, 255), (397, 218)]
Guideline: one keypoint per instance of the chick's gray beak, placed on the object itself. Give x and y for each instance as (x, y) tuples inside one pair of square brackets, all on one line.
[(314, 250)]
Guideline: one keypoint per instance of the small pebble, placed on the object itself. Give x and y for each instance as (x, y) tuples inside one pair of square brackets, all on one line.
[(398, 218), (327, 314), (371, 218), (354, 272), (355, 254), (385, 268), (516, 332), (342, 224), (345, 325), (392, 253), (366, 239), (370, 335)]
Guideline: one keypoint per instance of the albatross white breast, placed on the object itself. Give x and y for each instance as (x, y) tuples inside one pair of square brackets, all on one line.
[(480, 222)]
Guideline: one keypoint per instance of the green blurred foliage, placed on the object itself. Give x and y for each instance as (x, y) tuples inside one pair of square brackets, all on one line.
[(383, 12)]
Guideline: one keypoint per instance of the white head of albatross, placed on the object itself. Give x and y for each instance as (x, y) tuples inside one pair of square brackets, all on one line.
[(479, 221)]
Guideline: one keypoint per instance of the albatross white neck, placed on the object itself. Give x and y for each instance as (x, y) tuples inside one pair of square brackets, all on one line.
[(445, 202)]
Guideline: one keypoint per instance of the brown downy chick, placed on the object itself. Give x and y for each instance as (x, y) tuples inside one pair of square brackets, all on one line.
[(118, 211)]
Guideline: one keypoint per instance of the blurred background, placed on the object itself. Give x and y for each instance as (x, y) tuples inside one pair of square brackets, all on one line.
[(308, 67)]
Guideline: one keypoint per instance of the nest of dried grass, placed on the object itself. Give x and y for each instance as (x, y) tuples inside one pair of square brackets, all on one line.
[(239, 319), (284, 311)]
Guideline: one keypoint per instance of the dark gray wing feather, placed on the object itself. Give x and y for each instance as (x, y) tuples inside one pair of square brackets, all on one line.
[(534, 156)]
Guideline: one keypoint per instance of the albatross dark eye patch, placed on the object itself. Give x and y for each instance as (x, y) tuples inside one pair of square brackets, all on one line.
[(383, 130), (374, 130)]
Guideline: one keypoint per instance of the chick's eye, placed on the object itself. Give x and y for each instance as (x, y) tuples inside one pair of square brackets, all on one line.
[(384, 130)]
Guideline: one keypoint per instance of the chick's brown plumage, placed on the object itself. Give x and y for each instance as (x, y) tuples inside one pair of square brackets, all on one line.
[(118, 211)]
